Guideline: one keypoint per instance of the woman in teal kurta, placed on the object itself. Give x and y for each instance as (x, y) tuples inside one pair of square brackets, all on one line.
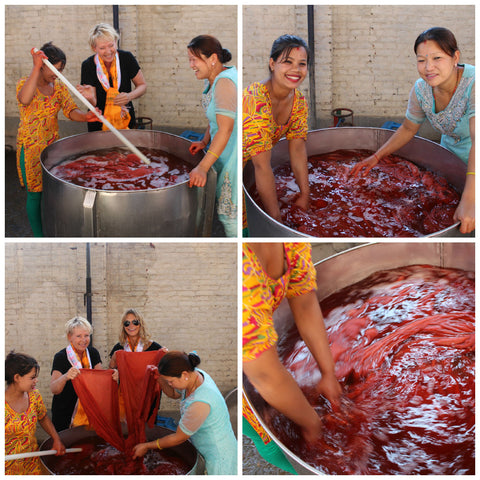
[(445, 95), (204, 414), (207, 59)]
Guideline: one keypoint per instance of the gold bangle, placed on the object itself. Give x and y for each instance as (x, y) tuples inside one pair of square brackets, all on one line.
[(470, 173), (214, 154), (158, 446)]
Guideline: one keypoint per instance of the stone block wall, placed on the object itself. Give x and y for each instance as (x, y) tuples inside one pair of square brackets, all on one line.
[(187, 293)]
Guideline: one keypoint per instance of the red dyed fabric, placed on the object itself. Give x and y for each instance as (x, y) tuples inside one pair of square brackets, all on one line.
[(141, 392), (98, 394)]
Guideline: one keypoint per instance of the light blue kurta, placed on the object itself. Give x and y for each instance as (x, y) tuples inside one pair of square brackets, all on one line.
[(226, 165), (214, 439), (453, 121)]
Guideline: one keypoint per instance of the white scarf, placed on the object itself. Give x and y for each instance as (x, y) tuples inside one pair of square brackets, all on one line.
[(103, 79), (139, 347), (73, 359)]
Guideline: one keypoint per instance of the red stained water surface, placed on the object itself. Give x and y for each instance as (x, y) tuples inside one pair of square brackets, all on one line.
[(397, 198), (99, 458), (118, 169), (403, 341)]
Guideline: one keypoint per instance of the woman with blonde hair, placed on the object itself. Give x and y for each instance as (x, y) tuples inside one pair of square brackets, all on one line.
[(134, 336), (107, 77), (67, 364)]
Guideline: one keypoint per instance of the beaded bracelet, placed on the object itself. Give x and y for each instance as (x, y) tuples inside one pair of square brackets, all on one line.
[(214, 154), (158, 446)]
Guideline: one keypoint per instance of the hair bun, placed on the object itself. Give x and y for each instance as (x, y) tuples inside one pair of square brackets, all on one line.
[(226, 55), (194, 359)]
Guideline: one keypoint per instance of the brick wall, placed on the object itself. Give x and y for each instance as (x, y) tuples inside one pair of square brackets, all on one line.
[(186, 292), (364, 54), (156, 34)]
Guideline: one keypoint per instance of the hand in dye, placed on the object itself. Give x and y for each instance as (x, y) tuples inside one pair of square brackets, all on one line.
[(196, 147), (303, 201), (365, 165), (140, 450), (198, 177), (329, 387)]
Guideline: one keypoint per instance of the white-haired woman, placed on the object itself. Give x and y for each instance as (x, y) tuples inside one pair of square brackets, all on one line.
[(67, 364), (107, 77)]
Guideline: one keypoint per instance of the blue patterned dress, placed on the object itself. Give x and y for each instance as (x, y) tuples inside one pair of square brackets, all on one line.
[(453, 121), (226, 165)]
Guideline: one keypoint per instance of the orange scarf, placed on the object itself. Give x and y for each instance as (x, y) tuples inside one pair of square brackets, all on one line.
[(118, 116)]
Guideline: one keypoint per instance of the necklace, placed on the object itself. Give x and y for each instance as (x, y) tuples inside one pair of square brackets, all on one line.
[(194, 386)]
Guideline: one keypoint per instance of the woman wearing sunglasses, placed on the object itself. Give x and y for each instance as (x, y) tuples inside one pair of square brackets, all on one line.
[(134, 336)]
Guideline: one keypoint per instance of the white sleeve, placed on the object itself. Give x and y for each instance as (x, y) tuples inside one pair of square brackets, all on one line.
[(193, 417)]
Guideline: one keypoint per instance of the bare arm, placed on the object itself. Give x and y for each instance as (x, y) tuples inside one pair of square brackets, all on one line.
[(47, 425), (309, 320), (298, 160), (27, 92), (400, 138), (265, 182), (198, 176), (140, 88), (279, 389), (165, 442), (465, 212)]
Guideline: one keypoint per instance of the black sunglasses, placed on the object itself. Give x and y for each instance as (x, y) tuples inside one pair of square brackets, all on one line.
[(127, 323)]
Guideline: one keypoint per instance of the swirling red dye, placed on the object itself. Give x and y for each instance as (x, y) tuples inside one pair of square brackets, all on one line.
[(404, 345), (99, 458), (117, 169), (396, 199)]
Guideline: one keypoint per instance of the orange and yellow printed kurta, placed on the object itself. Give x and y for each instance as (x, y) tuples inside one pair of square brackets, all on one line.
[(39, 128), (260, 132), (261, 297), (20, 435)]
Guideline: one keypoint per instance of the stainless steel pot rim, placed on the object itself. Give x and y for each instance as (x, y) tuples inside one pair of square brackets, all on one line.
[(121, 146)]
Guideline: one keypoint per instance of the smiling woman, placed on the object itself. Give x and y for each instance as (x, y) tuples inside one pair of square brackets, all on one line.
[(445, 95), (274, 108), (67, 364)]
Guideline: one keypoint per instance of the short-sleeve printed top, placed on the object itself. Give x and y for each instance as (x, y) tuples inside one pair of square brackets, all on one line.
[(260, 132), (262, 294)]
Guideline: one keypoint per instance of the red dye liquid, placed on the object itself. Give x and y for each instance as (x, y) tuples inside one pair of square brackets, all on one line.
[(397, 198), (99, 458), (403, 342), (117, 169)]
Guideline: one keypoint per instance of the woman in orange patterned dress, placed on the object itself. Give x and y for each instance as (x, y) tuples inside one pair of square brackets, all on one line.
[(275, 108), (272, 272), (24, 407), (40, 97)]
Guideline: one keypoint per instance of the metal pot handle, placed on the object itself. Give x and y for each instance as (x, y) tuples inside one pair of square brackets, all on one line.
[(88, 213)]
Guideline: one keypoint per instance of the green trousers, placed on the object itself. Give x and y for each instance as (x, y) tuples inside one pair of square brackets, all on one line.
[(270, 452), (34, 202)]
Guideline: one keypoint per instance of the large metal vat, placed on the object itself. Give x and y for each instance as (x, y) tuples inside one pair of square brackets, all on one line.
[(420, 151), (69, 210), (345, 269), (186, 451)]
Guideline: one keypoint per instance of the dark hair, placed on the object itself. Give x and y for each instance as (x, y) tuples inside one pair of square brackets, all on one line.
[(19, 363), (174, 363), (443, 37), (208, 45), (54, 54), (283, 45)]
